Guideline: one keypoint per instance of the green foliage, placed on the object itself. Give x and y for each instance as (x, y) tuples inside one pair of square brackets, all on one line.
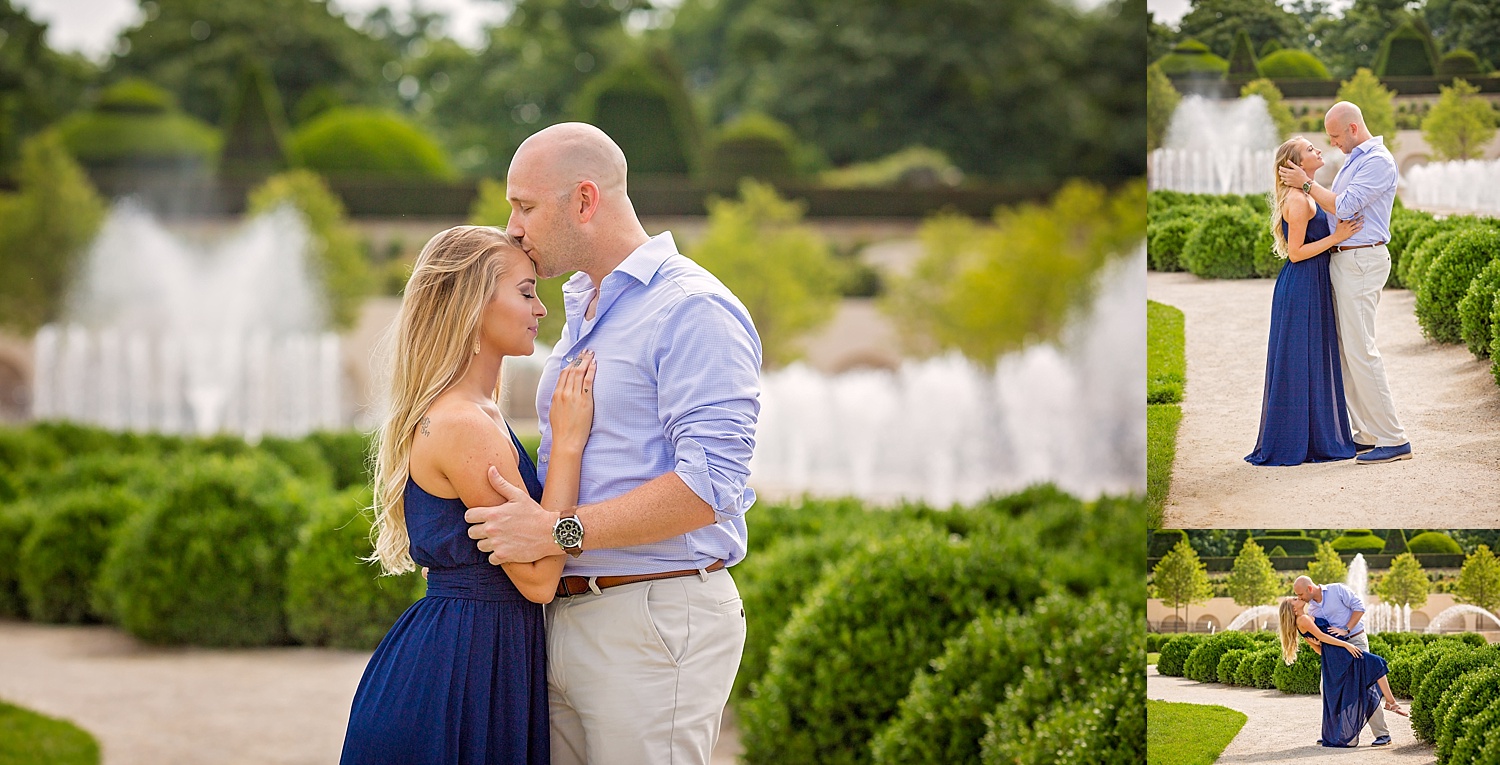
[(1301, 676), (1219, 22), (1229, 664), (642, 105), (1415, 266), (1375, 101), (368, 143), (1293, 65), (16, 520), (1406, 52), (1166, 239), (1192, 59), (942, 719), (1472, 693), (1440, 678), (1476, 310), (1263, 670), (1461, 124), (491, 208), (1327, 566), (255, 130), (1404, 224), (333, 597), (1459, 63), (1166, 361), (1244, 671), (45, 229), (1174, 655), (1180, 578), (135, 122), (1354, 541), (1408, 670), (987, 290), (1447, 281), (1267, 263), (1280, 113), (303, 458), (207, 564), (347, 453), (60, 556), (41, 84), (1102, 726), (1405, 583), (1242, 57), (1433, 543), (1253, 582), (1395, 542), (28, 738), (337, 255), (1162, 421), (1161, 102), (782, 270), (753, 146), (1479, 580), (917, 167), (1223, 246), (1161, 542), (1495, 344), (1477, 739), (1203, 663)]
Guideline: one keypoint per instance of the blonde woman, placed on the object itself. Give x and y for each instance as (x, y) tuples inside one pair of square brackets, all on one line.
[(1303, 417), (461, 678), (1352, 682)]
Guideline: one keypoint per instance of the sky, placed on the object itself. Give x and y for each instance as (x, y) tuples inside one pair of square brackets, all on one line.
[(1169, 12)]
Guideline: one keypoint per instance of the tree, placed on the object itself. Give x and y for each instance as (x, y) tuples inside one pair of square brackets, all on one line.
[(1242, 58), (1253, 581), (1461, 124), (1159, 38), (1479, 581), (1375, 101), (37, 84), (1161, 102), (1469, 24), (1405, 584), (1180, 579), (1326, 566), (1218, 22), (255, 128), (1281, 115), (1352, 41)]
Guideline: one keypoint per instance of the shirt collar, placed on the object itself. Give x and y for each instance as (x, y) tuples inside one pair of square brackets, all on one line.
[(642, 263), (1369, 145)]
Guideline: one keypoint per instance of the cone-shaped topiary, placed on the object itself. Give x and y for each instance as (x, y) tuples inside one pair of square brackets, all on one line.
[(255, 129), (643, 106), (1406, 52), (1242, 57)]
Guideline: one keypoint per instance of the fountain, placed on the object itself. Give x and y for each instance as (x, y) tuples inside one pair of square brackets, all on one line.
[(1215, 146), (160, 336), (1256, 618), (1386, 617), (1460, 612), (946, 430), (1470, 186)]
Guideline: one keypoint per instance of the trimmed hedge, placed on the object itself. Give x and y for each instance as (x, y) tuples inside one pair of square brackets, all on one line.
[(1290, 64), (1409, 669), (1440, 678), (1447, 281), (1163, 540), (1088, 731), (1203, 663), (1477, 308), (1223, 245), (1191, 58), (1229, 664), (1427, 250), (348, 454), (16, 519), (1472, 694), (1298, 545), (1263, 669), (368, 143), (60, 556), (755, 146), (1478, 739), (1302, 675), (1165, 241), (1354, 541), (1430, 542)]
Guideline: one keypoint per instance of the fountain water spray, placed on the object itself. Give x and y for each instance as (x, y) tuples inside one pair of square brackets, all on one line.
[(1459, 186), (1215, 146), (1460, 613)]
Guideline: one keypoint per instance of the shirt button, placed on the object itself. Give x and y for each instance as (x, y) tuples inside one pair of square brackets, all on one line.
[(543, 458), (570, 359)]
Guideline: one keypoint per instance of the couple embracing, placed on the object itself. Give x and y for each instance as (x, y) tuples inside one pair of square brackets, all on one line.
[(1326, 396), (1353, 682), (624, 527)]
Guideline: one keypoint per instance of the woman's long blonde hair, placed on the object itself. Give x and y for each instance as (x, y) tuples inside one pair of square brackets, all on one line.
[(1288, 631), (430, 347), (1291, 151)]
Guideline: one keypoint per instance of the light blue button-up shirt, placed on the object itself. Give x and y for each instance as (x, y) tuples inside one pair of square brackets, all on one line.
[(1338, 607), (1367, 184), (677, 390)]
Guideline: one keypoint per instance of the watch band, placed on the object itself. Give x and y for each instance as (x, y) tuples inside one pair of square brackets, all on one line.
[(568, 533)]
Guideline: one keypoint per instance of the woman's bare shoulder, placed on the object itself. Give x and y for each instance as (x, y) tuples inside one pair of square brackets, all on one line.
[(1297, 207)]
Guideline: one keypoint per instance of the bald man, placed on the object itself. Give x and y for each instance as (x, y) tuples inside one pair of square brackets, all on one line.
[(1365, 185), (645, 634)]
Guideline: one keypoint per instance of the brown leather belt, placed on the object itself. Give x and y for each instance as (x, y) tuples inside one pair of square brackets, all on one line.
[(1357, 247), (569, 586)]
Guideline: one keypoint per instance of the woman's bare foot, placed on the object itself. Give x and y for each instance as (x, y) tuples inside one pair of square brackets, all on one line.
[(1392, 706)]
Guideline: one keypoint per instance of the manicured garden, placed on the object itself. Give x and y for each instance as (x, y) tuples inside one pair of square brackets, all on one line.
[(1166, 374), (1189, 734), (28, 738)]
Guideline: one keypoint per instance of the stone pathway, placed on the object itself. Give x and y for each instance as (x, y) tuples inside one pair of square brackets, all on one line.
[(194, 706), (1447, 401), (1284, 728)]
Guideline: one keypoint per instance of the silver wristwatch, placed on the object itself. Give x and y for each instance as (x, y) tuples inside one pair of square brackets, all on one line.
[(1307, 187), (568, 533)]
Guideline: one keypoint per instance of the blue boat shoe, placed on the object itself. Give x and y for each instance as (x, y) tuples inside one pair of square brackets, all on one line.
[(1383, 740), (1385, 454)]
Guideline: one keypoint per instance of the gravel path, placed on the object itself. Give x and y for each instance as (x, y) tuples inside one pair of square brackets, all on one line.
[(1284, 728), (1447, 401), (193, 706)]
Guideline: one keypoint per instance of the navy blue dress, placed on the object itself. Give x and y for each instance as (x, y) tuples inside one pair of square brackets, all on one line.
[(1350, 696), (1303, 417), (461, 678)]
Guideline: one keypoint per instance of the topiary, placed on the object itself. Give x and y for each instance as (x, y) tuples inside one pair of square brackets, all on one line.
[(1422, 255), (1477, 739), (136, 122), (849, 651), (255, 127), (1433, 543), (1459, 62), (16, 519), (1403, 225), (1354, 541), (1264, 670), (1165, 240), (1474, 692), (1293, 65), (25, 449), (755, 146), (1175, 653), (1440, 678), (1242, 57), (1223, 246), (642, 105), (1476, 310), (1495, 343), (333, 596), (1447, 280), (1203, 663), (1267, 263), (1298, 545), (1407, 671), (368, 143), (60, 556), (207, 564), (1191, 58), (942, 718), (1088, 731), (1277, 552), (1244, 671), (1302, 675), (303, 458), (1229, 664), (1163, 540), (1406, 52)]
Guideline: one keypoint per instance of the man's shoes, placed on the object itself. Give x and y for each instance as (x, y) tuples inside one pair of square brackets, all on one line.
[(1385, 454), (1360, 448), (1381, 741)]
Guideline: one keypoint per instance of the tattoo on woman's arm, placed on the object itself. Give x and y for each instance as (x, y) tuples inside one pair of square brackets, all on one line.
[(425, 422)]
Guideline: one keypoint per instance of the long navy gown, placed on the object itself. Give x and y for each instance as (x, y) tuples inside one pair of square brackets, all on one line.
[(461, 677), (1303, 417), (1350, 696)]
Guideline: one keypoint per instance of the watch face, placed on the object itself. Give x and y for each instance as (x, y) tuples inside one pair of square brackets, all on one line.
[(568, 532)]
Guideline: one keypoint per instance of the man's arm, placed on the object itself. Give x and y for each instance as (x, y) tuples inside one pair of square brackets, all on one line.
[(1295, 177)]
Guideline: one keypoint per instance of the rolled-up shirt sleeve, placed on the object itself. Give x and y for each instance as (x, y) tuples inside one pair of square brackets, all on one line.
[(707, 357), (1353, 602), (1374, 177)]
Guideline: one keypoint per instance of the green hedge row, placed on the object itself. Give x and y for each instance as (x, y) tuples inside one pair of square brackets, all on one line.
[(1210, 235), (193, 541), (906, 635)]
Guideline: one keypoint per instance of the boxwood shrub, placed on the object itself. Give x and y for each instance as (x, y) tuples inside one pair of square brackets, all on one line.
[(1223, 246), (368, 143), (347, 453), (1423, 254), (1267, 263), (1408, 671), (1302, 675), (1174, 655), (207, 564), (1203, 664), (15, 524), (303, 457), (1404, 223), (1447, 281), (1476, 310), (1440, 678), (1477, 739), (1473, 693), (1433, 542), (1229, 664), (1089, 731), (942, 718), (333, 597), (1264, 669), (1358, 541), (1166, 239), (60, 556)]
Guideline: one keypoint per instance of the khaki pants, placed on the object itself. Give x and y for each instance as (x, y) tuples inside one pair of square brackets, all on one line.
[(639, 674), (1358, 276), (1377, 720)]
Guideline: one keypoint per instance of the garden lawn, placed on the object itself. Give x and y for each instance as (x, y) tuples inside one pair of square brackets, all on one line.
[(1188, 734), (27, 738), (1151, 658), (1166, 373), (1161, 451)]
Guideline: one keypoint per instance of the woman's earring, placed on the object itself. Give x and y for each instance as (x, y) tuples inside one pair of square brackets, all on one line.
[(476, 347)]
